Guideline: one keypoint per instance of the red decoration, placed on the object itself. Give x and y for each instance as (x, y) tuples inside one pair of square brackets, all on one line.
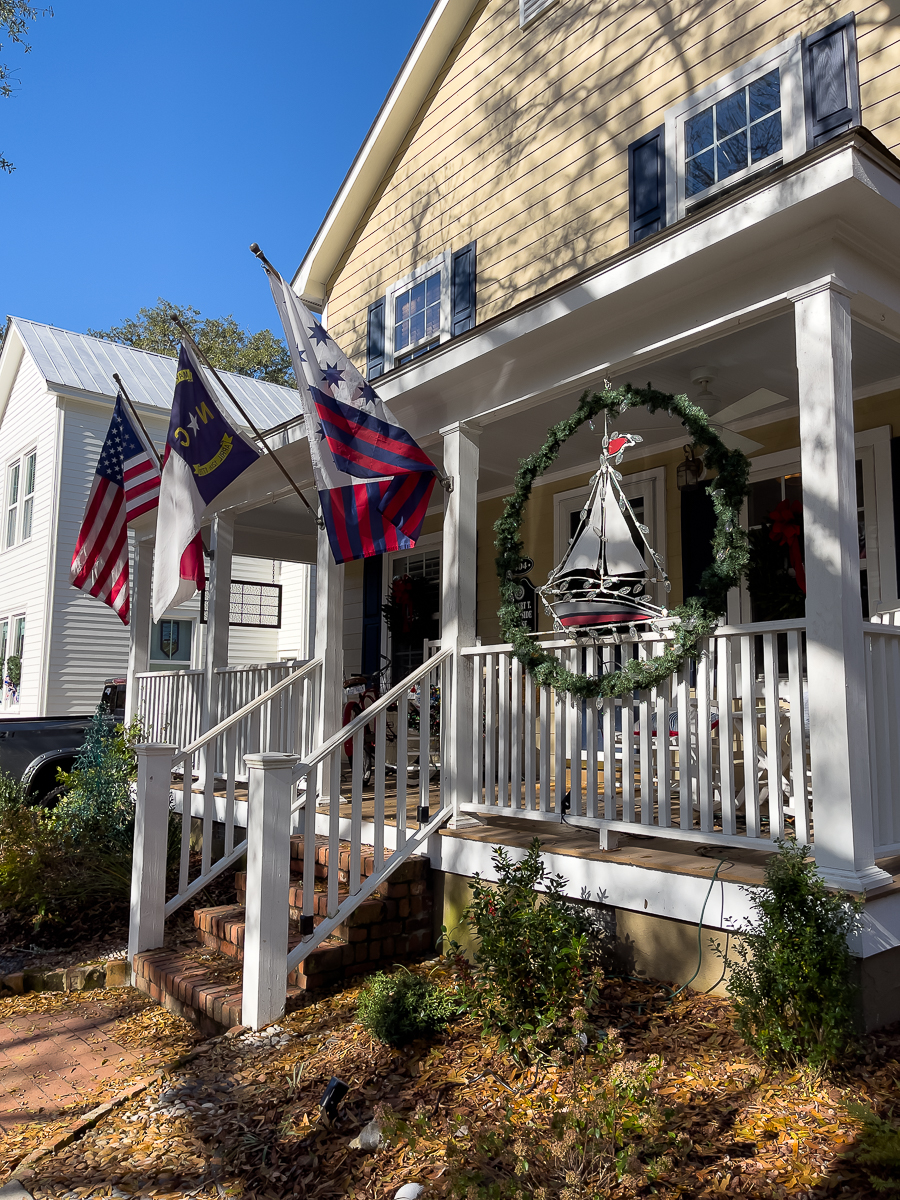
[(786, 531), (401, 595)]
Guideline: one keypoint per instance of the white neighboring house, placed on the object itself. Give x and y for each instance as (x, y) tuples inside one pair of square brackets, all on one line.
[(56, 400)]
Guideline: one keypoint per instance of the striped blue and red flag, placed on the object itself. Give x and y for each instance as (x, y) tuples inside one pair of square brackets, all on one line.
[(374, 480)]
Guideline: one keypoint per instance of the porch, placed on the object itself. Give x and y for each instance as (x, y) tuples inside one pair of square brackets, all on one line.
[(780, 727)]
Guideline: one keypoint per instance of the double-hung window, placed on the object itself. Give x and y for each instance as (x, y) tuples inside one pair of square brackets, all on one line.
[(20, 478), (432, 304)]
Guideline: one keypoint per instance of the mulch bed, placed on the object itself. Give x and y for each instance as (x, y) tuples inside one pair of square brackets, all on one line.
[(242, 1119)]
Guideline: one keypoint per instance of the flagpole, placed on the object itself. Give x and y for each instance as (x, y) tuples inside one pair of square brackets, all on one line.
[(186, 334), (134, 412), (444, 480)]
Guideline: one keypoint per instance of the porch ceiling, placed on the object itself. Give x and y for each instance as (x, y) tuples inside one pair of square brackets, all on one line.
[(760, 356)]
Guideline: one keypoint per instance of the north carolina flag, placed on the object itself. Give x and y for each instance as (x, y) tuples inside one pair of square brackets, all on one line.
[(374, 480), (204, 453)]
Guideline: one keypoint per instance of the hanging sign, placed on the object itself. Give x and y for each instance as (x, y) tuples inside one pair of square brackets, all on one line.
[(525, 567), (526, 601)]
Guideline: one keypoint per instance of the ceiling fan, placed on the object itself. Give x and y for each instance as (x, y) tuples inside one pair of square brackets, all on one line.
[(756, 401)]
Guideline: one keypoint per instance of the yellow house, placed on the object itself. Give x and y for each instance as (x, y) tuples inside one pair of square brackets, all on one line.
[(556, 193)]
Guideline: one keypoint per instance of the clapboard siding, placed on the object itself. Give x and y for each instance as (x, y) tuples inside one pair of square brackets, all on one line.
[(522, 144), (247, 645), (293, 637), (29, 422), (88, 642)]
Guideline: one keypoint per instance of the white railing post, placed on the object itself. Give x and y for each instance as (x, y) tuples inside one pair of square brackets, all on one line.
[(218, 607), (268, 881), (838, 723), (329, 645), (139, 649), (458, 572), (148, 864)]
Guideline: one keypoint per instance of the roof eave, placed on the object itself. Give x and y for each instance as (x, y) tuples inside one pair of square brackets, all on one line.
[(436, 39)]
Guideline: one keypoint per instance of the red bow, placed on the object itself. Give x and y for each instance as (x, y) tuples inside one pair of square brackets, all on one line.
[(786, 531)]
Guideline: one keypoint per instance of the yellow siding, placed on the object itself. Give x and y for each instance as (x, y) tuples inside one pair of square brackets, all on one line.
[(522, 143)]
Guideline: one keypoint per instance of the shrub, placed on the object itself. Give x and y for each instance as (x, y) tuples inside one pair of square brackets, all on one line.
[(791, 974), (98, 805), (530, 969), (397, 1008), (12, 792), (878, 1150)]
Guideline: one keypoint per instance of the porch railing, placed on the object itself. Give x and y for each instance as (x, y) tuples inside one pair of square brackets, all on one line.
[(719, 752), (882, 640), (280, 720)]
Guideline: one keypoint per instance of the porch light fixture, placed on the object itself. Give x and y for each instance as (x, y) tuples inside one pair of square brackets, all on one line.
[(334, 1094), (690, 472)]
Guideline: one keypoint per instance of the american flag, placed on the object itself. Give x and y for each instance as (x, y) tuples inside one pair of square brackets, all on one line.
[(125, 486)]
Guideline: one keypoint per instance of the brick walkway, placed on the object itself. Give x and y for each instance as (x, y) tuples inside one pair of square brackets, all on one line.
[(52, 1061)]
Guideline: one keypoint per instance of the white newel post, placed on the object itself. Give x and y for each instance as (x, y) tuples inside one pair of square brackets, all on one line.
[(148, 864), (139, 622), (839, 743), (329, 646), (268, 882), (458, 572), (218, 607)]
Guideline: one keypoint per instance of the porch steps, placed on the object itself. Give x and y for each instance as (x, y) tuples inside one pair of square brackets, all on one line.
[(202, 981)]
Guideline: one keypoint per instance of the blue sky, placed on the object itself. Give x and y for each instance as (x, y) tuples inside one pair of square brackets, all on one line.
[(154, 142)]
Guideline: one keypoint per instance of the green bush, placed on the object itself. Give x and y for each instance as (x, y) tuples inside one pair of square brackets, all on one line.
[(791, 978), (531, 964), (878, 1150), (397, 1008), (57, 868), (12, 792)]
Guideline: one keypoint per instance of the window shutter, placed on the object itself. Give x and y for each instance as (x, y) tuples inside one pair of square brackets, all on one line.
[(375, 340), (831, 81), (647, 185), (371, 624), (462, 290)]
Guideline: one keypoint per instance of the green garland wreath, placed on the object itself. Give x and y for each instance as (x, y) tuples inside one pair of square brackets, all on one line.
[(699, 616)]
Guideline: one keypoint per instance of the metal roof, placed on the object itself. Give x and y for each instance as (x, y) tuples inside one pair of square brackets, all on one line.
[(78, 362)]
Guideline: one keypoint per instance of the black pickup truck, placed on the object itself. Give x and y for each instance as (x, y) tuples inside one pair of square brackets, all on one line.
[(33, 748)]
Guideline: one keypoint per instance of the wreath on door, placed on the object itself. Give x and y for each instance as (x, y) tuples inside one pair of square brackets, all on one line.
[(699, 616), (409, 607)]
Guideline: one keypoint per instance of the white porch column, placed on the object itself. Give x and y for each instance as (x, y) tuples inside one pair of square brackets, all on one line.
[(218, 605), (329, 645), (148, 864), (268, 883), (839, 744), (139, 649), (458, 571)]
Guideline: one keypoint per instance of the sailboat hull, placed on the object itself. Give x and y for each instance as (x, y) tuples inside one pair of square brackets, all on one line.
[(573, 614)]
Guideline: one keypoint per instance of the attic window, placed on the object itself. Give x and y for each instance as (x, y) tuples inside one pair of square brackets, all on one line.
[(529, 10)]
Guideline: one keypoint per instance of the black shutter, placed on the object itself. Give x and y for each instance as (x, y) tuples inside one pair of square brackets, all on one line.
[(462, 290), (375, 340), (371, 623), (831, 81), (698, 524), (647, 184)]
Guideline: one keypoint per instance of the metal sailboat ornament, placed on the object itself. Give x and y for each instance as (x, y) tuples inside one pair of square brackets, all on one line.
[(602, 583)]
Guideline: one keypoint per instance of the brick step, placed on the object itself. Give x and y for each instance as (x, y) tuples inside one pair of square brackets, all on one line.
[(202, 987), (362, 948), (323, 858), (394, 899)]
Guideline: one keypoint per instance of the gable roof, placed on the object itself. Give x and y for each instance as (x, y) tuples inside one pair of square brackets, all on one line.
[(436, 39), (76, 363)]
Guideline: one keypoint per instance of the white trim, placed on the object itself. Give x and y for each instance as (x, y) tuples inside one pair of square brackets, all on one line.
[(793, 123), (442, 264)]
